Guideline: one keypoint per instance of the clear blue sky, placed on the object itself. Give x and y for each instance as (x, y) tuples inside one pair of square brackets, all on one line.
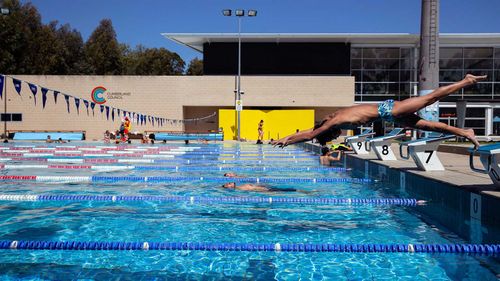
[(142, 21)]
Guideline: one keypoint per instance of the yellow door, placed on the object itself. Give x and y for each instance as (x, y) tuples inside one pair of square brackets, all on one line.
[(277, 123)]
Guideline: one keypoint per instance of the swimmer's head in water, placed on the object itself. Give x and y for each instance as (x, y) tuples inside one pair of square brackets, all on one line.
[(230, 175), (328, 135), (324, 150), (229, 185)]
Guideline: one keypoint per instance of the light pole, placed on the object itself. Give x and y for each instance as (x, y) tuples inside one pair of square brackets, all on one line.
[(239, 13), (5, 12)]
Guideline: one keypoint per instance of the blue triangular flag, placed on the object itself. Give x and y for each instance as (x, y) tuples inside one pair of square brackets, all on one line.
[(102, 108), (86, 103), (107, 112), (77, 104), (34, 90), (113, 114), (118, 112), (92, 105), (17, 85), (66, 97), (55, 96), (2, 79), (44, 96)]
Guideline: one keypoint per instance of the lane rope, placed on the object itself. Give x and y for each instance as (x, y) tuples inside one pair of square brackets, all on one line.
[(159, 179), (483, 249), (222, 199)]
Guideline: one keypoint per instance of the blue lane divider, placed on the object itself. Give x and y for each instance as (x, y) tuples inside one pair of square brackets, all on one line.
[(225, 199), (239, 168), (207, 156), (221, 179), (485, 249)]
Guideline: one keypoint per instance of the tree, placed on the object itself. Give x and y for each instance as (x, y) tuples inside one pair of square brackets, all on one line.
[(195, 67), (71, 51), (103, 51), (151, 61), (18, 30)]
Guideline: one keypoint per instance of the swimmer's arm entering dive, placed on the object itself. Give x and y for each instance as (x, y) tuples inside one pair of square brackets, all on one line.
[(310, 134)]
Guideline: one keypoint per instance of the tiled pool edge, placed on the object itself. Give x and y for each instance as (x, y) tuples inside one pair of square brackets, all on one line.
[(473, 216)]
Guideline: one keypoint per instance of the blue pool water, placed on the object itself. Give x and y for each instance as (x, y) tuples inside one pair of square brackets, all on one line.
[(250, 222)]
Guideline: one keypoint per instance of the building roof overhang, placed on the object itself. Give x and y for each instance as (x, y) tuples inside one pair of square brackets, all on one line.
[(196, 40)]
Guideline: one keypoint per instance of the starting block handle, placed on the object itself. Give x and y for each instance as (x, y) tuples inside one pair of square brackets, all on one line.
[(407, 152), (471, 164), (367, 145)]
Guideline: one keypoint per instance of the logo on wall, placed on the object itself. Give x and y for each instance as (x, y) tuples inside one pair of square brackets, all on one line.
[(98, 95)]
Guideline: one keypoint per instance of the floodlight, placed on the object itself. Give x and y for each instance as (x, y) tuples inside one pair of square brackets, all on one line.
[(226, 12), (239, 13), (252, 13)]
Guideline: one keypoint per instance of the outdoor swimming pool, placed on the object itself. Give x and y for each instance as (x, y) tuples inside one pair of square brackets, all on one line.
[(185, 219)]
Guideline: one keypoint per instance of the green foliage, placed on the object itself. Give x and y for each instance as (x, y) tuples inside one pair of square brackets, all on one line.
[(30, 47), (152, 61), (195, 67)]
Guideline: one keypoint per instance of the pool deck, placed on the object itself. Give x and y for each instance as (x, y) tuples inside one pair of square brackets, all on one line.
[(463, 201), (457, 173)]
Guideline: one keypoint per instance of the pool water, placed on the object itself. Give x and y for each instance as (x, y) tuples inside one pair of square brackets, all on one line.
[(222, 222)]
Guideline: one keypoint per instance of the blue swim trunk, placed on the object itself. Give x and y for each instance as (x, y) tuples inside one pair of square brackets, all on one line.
[(385, 110)]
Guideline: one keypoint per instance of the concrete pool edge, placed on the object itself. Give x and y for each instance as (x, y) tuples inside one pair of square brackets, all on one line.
[(467, 209)]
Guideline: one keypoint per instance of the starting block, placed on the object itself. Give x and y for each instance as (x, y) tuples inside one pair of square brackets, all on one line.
[(490, 158), (382, 145), (424, 152), (357, 141)]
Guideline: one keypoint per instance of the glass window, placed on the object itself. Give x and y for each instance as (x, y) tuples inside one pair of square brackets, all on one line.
[(497, 63), (479, 89), (380, 89), (447, 112), (497, 76), (478, 52), (405, 90), (450, 63), (474, 123), (17, 117), (355, 64), (356, 53), (478, 63), (5, 117), (475, 112), (407, 63), (406, 53), (406, 76), (450, 53), (497, 52), (450, 75), (357, 75), (357, 88), (497, 90), (380, 75), (480, 72), (381, 64), (381, 53)]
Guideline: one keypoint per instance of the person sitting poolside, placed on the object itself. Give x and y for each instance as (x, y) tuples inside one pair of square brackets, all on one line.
[(398, 112), (326, 157), (259, 188), (107, 136), (49, 139), (60, 140)]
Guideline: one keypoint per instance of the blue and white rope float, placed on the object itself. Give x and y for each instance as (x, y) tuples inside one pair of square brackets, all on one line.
[(484, 249), (161, 179), (156, 161), (171, 168), (213, 200)]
